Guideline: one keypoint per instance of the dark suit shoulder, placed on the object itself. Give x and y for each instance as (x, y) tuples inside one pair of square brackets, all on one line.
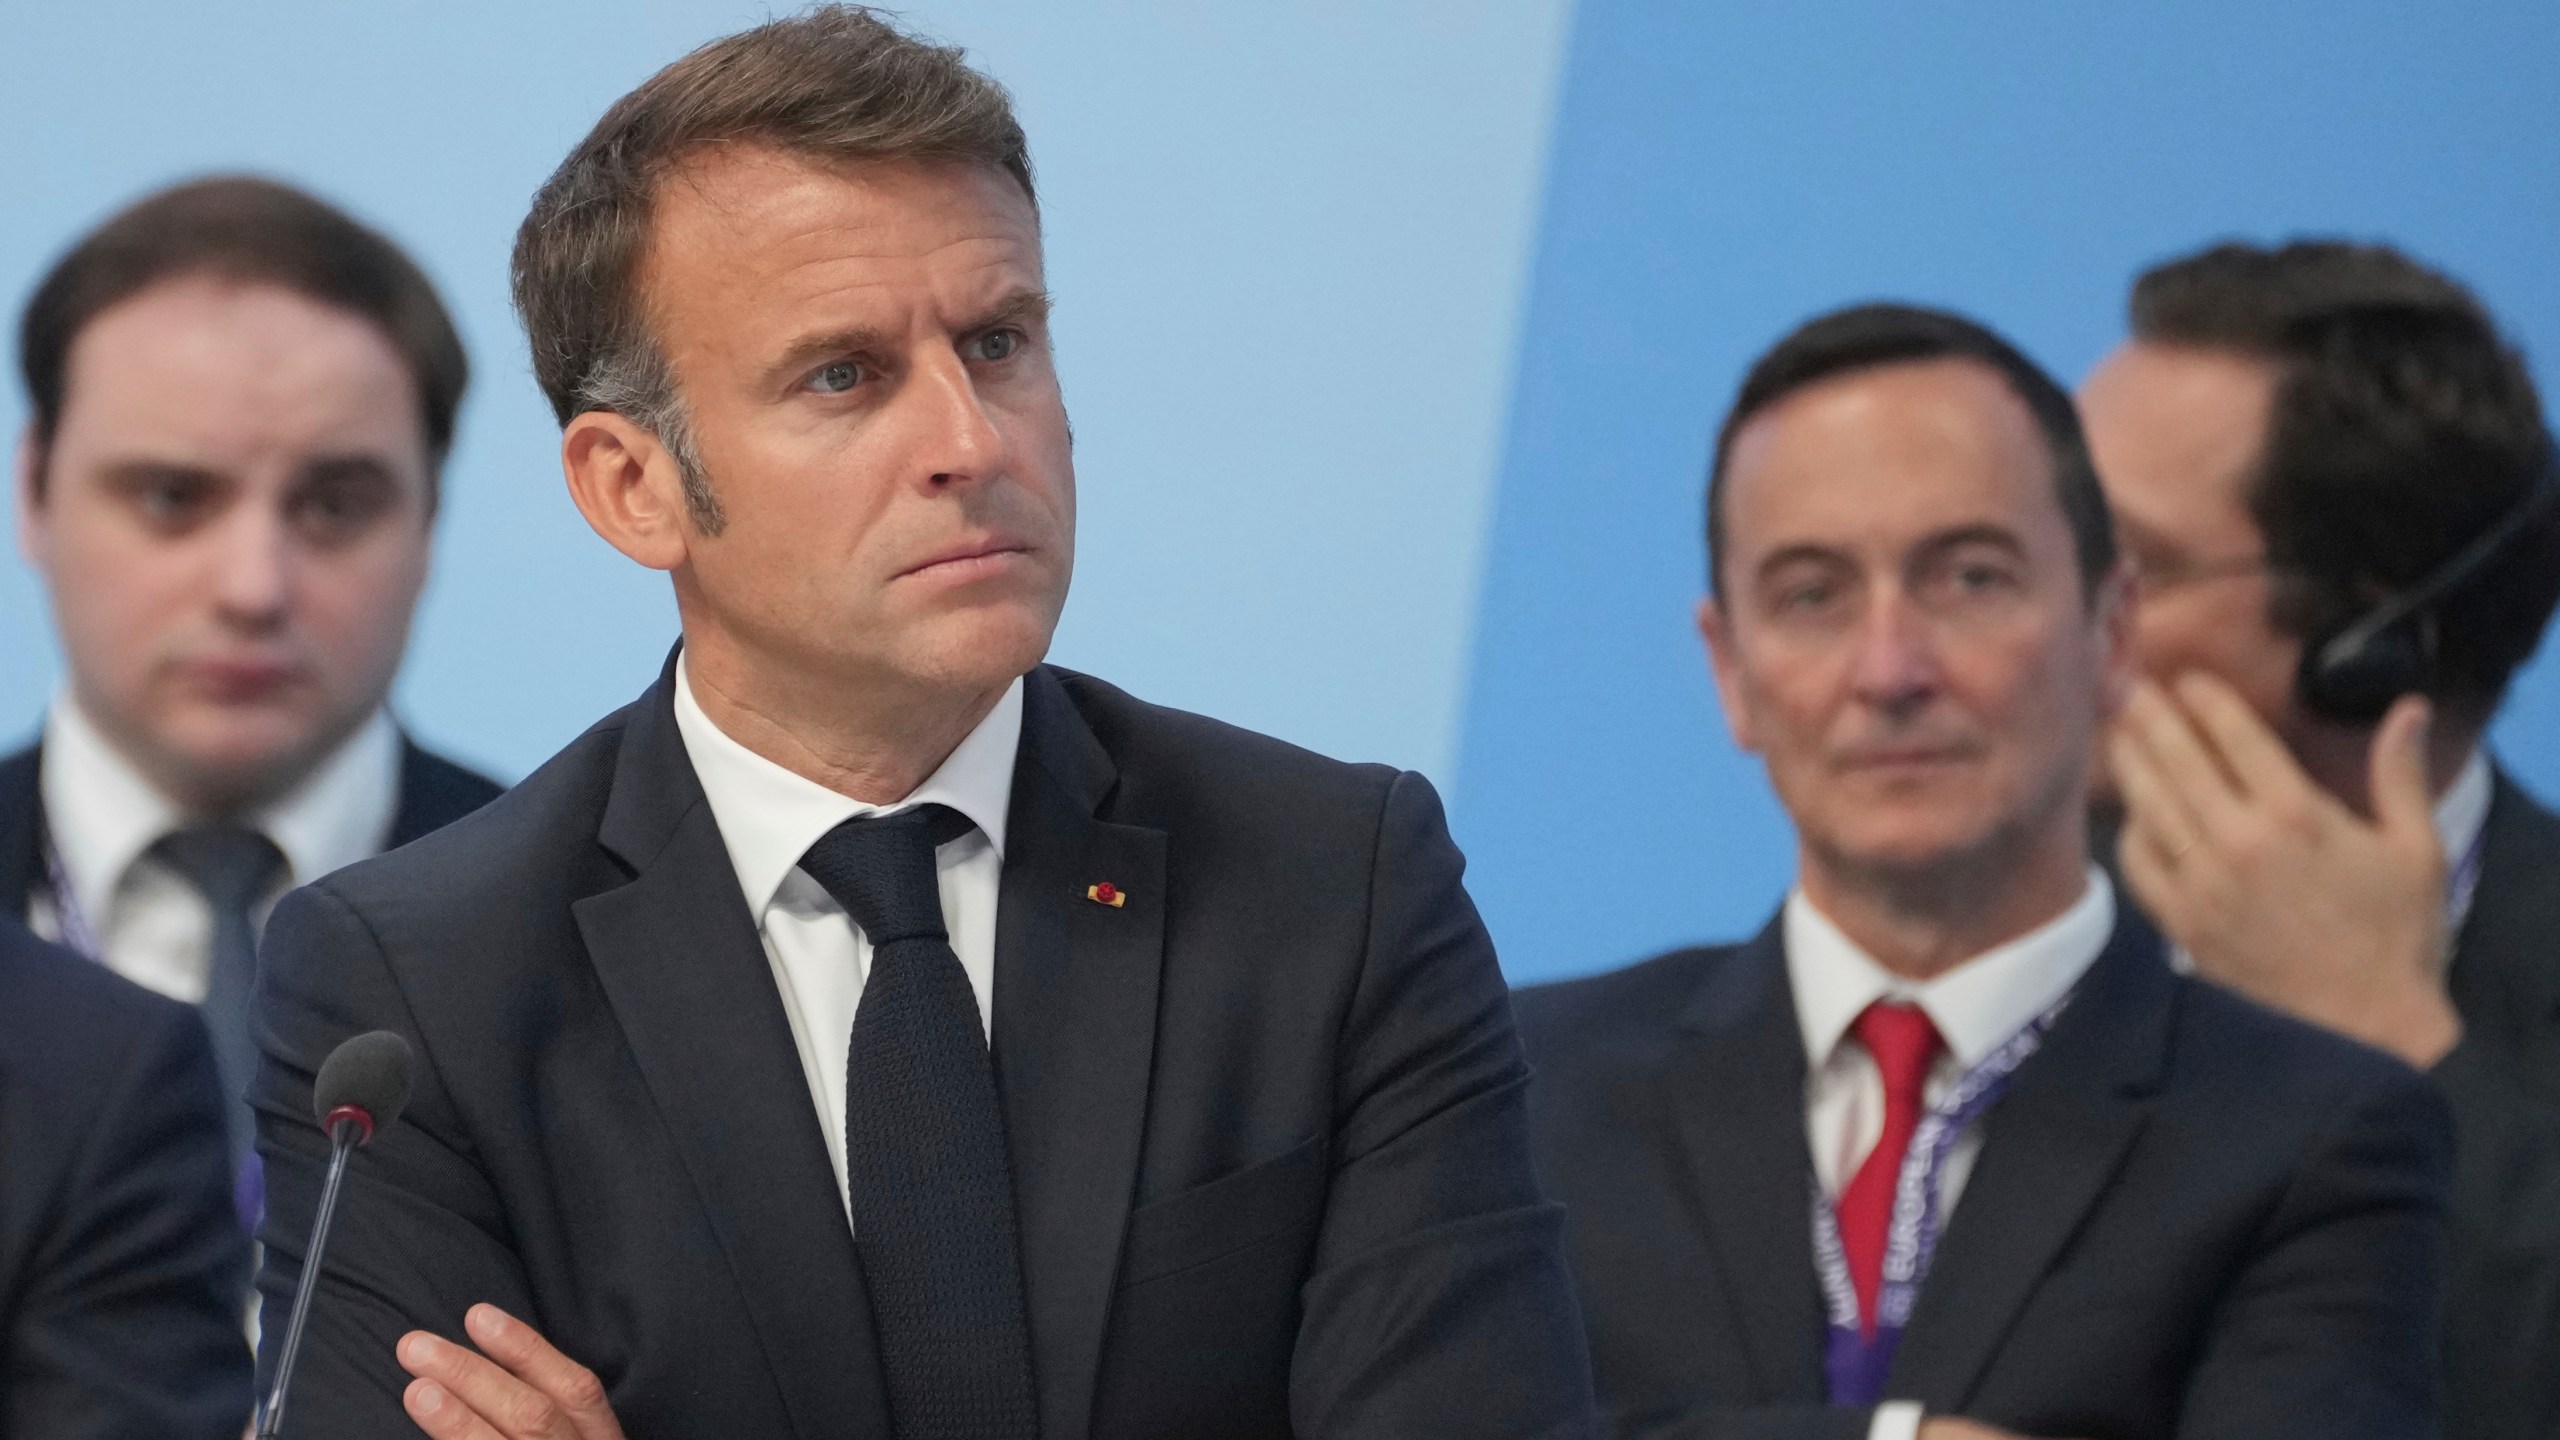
[(435, 792), (1570, 1024), (1156, 744), (488, 854), (70, 1022), (2270, 1069)]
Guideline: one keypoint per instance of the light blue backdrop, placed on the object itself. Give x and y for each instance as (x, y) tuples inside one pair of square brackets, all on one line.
[(1723, 171), (1287, 242), (1394, 330)]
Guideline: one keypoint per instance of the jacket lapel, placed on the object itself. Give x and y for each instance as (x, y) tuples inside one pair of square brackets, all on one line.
[(680, 963), (2050, 1147), (1075, 1020), (1733, 1102), (22, 869)]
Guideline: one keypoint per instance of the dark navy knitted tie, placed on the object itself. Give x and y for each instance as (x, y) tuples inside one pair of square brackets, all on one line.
[(925, 1157)]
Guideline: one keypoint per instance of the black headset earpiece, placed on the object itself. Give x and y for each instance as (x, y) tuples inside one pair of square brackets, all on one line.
[(2353, 674)]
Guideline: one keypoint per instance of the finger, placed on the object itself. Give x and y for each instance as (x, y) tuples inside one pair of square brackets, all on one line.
[(2153, 807), (442, 1415), (533, 1360), (2151, 874), (2187, 767), (2397, 771), (2267, 772), (509, 1406)]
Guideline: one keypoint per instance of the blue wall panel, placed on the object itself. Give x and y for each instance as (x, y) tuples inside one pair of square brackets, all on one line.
[(1722, 171)]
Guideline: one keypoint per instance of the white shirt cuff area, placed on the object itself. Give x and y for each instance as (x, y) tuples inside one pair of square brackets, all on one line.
[(1896, 1420)]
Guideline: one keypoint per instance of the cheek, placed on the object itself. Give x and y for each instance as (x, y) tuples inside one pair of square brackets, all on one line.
[(357, 604)]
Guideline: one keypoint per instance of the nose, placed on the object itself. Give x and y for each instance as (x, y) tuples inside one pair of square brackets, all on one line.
[(253, 568), (1895, 668), (960, 442)]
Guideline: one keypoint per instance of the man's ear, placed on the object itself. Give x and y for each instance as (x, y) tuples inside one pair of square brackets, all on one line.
[(1715, 627), (625, 482), (34, 538)]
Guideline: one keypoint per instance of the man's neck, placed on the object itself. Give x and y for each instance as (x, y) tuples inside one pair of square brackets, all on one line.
[(872, 743), (1921, 923)]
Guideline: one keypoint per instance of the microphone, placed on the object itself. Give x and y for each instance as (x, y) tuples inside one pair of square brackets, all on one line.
[(359, 1093)]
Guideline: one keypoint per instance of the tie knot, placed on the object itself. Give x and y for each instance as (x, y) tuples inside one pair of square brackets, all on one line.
[(230, 864), (880, 869), (1903, 1043)]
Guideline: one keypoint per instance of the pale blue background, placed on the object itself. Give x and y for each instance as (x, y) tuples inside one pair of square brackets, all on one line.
[(1394, 330)]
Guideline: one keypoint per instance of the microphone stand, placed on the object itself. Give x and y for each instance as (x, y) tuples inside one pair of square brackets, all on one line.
[(349, 1127)]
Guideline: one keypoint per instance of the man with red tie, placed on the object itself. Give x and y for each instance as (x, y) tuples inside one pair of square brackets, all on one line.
[(1949, 1150)]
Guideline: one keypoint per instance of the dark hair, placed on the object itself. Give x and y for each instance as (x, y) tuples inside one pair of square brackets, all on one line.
[(252, 231), (1864, 337), (2402, 426), (838, 83)]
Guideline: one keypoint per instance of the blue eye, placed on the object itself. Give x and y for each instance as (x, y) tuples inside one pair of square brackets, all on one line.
[(997, 344), (837, 378)]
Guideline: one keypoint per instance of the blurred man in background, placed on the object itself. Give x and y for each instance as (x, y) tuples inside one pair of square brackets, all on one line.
[(2334, 479), (121, 1263), (241, 401), (1949, 1145)]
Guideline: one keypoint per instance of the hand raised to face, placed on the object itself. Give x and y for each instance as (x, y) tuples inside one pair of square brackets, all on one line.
[(2276, 887)]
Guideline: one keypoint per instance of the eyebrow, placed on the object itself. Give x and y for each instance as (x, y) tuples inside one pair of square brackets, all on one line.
[(1018, 308), (1811, 552), (130, 473)]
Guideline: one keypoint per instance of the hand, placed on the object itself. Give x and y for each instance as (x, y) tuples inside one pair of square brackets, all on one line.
[(1949, 1427), (2274, 886), (539, 1394)]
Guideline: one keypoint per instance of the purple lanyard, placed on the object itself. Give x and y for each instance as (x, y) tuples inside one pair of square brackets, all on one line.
[(68, 917), (1854, 1362)]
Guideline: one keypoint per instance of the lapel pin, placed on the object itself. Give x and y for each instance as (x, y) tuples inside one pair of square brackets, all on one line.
[(1107, 893)]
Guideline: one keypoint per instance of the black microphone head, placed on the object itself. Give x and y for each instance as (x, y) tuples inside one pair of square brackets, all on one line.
[(368, 1073)]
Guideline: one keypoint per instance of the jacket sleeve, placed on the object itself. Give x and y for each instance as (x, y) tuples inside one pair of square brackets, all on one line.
[(1439, 1302), (132, 1324), (2329, 1329), (419, 1237)]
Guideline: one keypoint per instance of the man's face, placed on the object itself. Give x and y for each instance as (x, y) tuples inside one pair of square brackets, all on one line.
[(233, 522), (1902, 634), (2177, 434), (864, 355)]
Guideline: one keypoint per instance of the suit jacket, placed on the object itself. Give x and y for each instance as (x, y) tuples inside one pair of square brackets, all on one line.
[(2190, 1217), (434, 792), (122, 1266), (2502, 1285), (1266, 1118)]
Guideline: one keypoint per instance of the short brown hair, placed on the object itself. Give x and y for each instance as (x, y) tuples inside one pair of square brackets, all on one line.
[(2403, 427), (839, 83), (253, 231)]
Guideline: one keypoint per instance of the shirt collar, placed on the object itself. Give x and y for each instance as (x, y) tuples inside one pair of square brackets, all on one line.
[(2462, 812), (770, 816), (1975, 1006), (102, 814)]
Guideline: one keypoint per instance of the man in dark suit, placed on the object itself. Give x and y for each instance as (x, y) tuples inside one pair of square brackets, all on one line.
[(2336, 481), (871, 1030), (120, 1261), (240, 400), (1948, 1149)]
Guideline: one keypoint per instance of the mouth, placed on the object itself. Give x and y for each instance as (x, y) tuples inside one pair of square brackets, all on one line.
[(973, 560), (1906, 759), (239, 680)]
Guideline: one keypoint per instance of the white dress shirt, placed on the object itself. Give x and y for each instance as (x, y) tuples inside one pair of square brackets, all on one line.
[(769, 817), (1975, 1006), (150, 924)]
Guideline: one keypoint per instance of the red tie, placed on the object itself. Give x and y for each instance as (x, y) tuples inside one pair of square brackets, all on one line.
[(1903, 1043)]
